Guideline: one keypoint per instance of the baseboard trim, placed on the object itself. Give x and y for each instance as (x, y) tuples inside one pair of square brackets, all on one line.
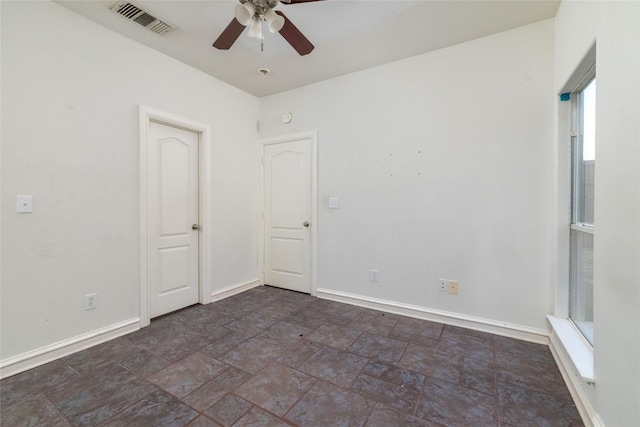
[(233, 290), (540, 336), (573, 380), (31, 359)]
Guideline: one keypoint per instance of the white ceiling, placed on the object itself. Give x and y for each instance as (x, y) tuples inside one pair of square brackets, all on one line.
[(349, 35)]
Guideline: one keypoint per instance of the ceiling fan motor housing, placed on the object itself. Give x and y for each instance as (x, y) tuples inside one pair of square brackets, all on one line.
[(261, 6)]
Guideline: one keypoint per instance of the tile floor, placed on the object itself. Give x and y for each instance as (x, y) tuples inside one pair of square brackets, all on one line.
[(279, 358)]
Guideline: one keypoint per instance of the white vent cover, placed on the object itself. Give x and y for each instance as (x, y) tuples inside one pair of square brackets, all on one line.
[(140, 16)]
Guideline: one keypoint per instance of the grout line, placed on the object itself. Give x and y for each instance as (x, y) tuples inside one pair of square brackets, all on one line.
[(315, 381), (55, 408)]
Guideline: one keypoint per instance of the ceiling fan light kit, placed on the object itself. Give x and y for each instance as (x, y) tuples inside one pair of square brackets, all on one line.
[(255, 29), (275, 21), (244, 13), (253, 14)]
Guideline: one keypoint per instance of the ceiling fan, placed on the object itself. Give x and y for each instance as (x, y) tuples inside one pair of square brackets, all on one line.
[(256, 13)]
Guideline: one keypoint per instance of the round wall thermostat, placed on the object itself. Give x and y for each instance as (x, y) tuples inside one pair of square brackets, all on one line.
[(286, 118)]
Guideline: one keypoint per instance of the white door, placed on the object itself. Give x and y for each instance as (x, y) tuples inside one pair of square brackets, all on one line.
[(287, 215), (173, 218)]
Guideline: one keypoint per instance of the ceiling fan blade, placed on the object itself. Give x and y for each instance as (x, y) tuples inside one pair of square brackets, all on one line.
[(229, 35), (296, 1), (296, 39)]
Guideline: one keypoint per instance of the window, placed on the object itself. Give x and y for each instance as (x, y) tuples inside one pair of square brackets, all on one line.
[(582, 231)]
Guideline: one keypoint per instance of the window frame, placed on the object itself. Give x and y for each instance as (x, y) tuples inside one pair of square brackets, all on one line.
[(577, 224)]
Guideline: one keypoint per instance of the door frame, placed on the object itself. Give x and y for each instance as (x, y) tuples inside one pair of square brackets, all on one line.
[(312, 136), (148, 115)]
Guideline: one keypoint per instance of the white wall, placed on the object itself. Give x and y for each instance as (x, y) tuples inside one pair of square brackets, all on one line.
[(444, 164), (70, 137), (615, 29)]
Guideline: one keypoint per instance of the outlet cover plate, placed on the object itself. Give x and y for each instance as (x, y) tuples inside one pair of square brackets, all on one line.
[(90, 301), (453, 287)]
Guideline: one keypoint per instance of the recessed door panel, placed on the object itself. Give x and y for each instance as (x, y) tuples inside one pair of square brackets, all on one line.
[(287, 190), (175, 159), (175, 269), (286, 255)]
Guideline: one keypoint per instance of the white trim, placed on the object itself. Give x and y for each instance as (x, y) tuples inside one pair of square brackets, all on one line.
[(578, 349), (526, 333), (583, 70), (563, 209), (574, 381), (313, 137), (204, 130), (40, 356), (233, 290), (589, 229)]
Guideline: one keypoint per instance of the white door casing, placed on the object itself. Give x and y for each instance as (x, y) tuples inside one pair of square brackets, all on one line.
[(173, 182), (289, 212)]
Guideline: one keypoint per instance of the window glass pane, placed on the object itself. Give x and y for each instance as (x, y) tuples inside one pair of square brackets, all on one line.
[(589, 121), (587, 141), (581, 289)]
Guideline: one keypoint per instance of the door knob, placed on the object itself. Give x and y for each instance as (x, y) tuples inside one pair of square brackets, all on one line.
[(195, 227), (306, 223)]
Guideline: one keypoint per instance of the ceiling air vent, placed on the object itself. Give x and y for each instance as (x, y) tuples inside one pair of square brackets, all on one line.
[(135, 13)]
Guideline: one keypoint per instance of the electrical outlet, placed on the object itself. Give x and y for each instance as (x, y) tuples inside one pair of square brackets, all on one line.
[(442, 285), (374, 276), (90, 301), (453, 287)]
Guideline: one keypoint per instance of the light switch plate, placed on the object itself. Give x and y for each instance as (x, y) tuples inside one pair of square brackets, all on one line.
[(334, 203), (24, 204), (374, 276)]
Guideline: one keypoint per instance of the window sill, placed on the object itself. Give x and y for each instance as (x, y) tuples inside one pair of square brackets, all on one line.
[(576, 346)]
